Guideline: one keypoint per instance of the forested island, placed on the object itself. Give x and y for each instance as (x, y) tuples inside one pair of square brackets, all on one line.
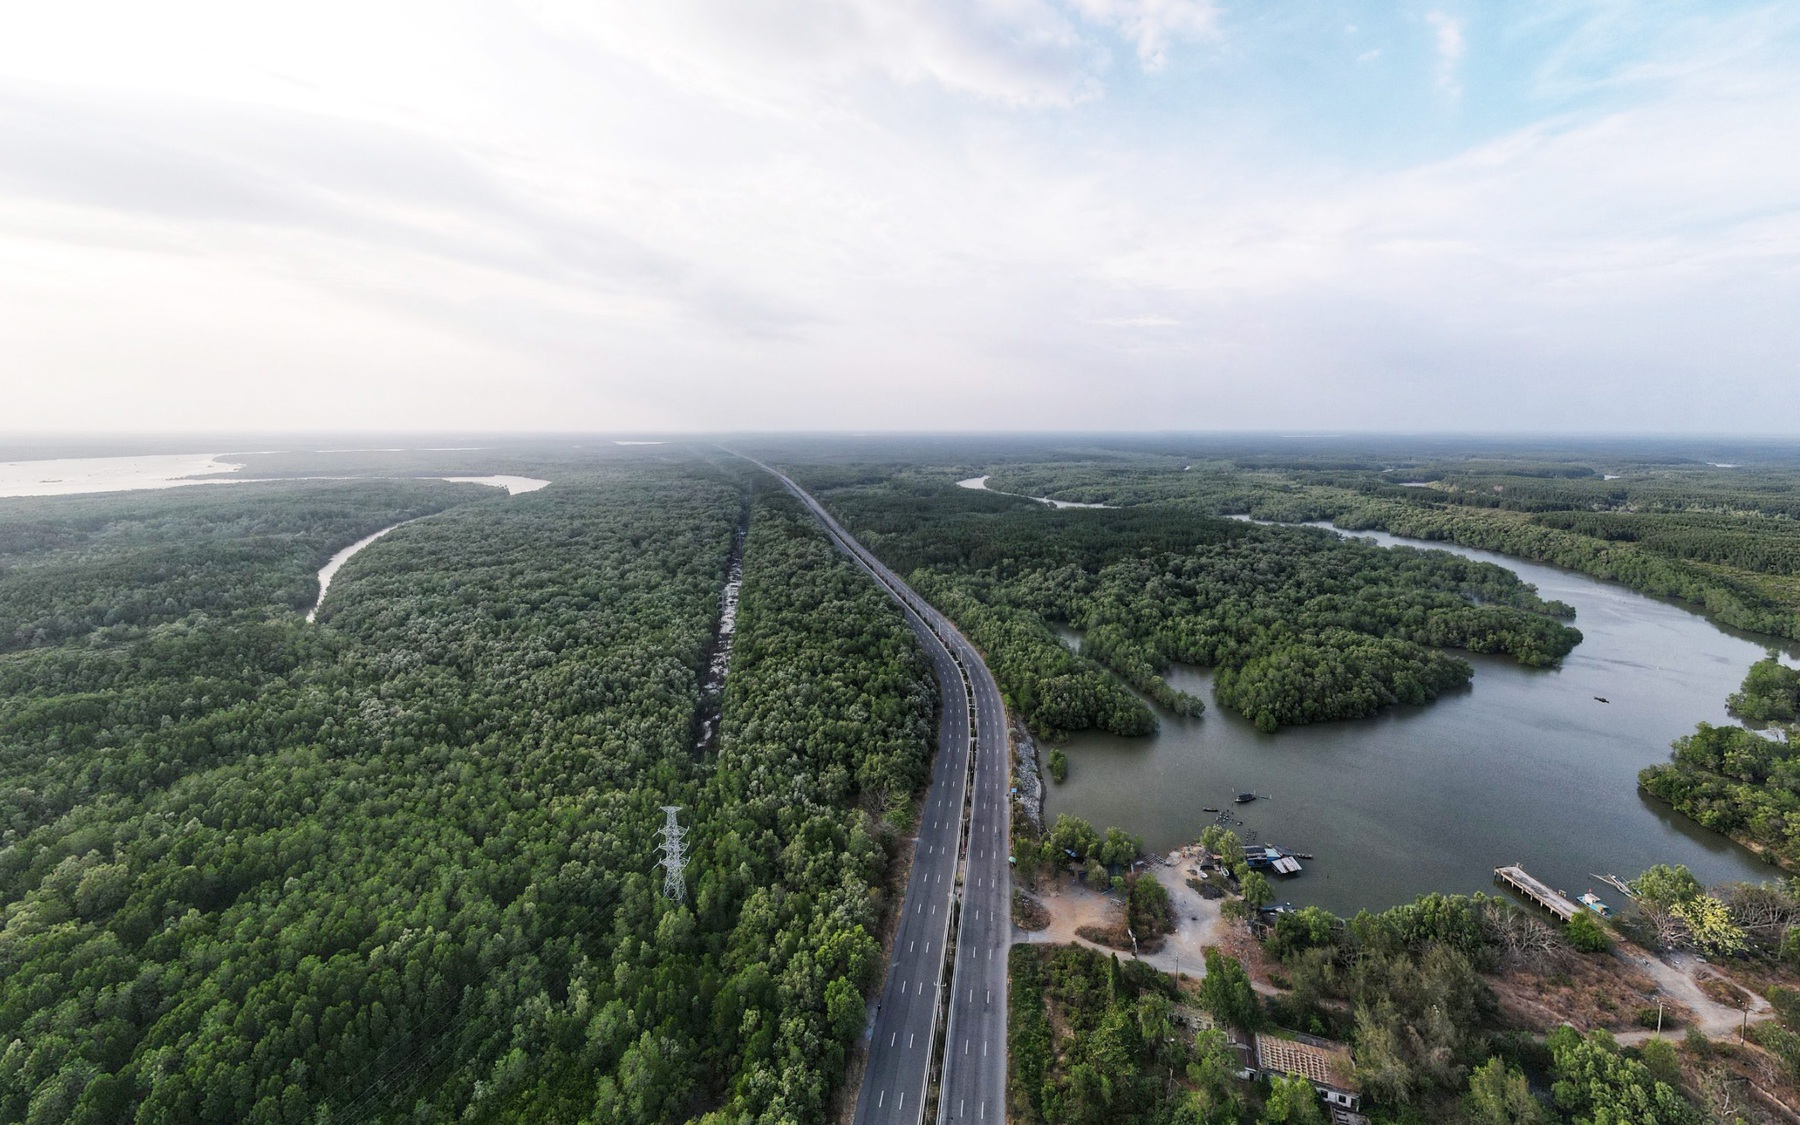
[(1741, 782)]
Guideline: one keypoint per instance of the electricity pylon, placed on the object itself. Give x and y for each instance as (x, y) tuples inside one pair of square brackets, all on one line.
[(674, 858)]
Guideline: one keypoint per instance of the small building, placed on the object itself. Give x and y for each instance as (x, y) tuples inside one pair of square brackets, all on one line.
[(1323, 1063)]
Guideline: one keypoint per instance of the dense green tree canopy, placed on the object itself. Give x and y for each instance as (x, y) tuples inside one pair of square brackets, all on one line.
[(1304, 626), (399, 864)]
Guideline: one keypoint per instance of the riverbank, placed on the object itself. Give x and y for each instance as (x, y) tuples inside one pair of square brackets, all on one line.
[(1609, 991), (1529, 764)]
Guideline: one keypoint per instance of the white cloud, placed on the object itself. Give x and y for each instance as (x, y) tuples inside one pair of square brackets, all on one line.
[(787, 213), (1142, 320), (1154, 24), (1449, 46)]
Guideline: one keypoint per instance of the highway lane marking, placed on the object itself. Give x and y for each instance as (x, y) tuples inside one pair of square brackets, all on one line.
[(909, 1040), (881, 1099)]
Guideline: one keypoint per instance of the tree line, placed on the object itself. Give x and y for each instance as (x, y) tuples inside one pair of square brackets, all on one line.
[(1665, 524)]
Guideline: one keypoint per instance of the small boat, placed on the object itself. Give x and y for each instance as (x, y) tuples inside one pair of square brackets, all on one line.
[(1244, 798), (1209, 808), (1592, 902), (1617, 884), (1601, 699)]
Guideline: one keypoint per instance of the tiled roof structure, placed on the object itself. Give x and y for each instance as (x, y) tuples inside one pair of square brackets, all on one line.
[(1326, 1065)]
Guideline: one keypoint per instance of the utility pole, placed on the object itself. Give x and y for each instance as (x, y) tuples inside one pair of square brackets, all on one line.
[(674, 859)]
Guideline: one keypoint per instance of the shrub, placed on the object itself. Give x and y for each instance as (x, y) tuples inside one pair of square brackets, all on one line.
[(1587, 934)]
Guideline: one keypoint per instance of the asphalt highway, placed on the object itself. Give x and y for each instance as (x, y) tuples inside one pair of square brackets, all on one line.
[(961, 868)]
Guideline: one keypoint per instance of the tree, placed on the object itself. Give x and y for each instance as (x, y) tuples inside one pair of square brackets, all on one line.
[(1710, 927), (1148, 910), (1073, 838), (1292, 1101), (1661, 1061), (1664, 887), (1227, 993), (1119, 848), (1256, 889), (1597, 1083), (1586, 934), (1213, 1073), (1059, 765), (1499, 1095)]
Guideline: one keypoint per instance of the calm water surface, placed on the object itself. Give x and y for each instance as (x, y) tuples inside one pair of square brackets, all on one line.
[(1524, 767)]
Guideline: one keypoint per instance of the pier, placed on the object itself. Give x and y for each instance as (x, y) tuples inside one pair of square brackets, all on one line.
[(1518, 879)]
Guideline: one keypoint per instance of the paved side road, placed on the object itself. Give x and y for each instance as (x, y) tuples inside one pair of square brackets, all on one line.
[(963, 858)]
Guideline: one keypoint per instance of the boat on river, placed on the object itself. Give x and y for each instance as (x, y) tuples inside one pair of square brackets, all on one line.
[(1592, 902), (1244, 798), (1617, 884)]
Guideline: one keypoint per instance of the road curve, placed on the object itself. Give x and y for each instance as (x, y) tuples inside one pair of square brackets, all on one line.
[(961, 872)]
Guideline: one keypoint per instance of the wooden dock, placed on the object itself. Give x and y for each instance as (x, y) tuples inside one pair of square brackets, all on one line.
[(1518, 879)]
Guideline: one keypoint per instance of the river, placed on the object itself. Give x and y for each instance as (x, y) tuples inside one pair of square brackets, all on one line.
[(514, 486), (70, 476), (67, 476), (1526, 766)]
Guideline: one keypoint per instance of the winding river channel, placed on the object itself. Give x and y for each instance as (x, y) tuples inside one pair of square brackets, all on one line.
[(1527, 766)]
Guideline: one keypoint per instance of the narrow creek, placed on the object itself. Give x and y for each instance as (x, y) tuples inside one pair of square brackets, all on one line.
[(330, 569), (980, 484), (718, 661), (1531, 766), (513, 486)]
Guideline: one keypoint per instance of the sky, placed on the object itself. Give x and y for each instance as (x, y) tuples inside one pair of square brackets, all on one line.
[(900, 214)]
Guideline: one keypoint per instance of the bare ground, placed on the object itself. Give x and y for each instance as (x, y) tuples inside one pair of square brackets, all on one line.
[(1072, 907), (1680, 977)]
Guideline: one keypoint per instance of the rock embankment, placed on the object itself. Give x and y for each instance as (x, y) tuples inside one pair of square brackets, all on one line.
[(1028, 775)]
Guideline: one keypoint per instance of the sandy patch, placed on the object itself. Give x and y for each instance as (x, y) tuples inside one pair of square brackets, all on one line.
[(1072, 906)]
